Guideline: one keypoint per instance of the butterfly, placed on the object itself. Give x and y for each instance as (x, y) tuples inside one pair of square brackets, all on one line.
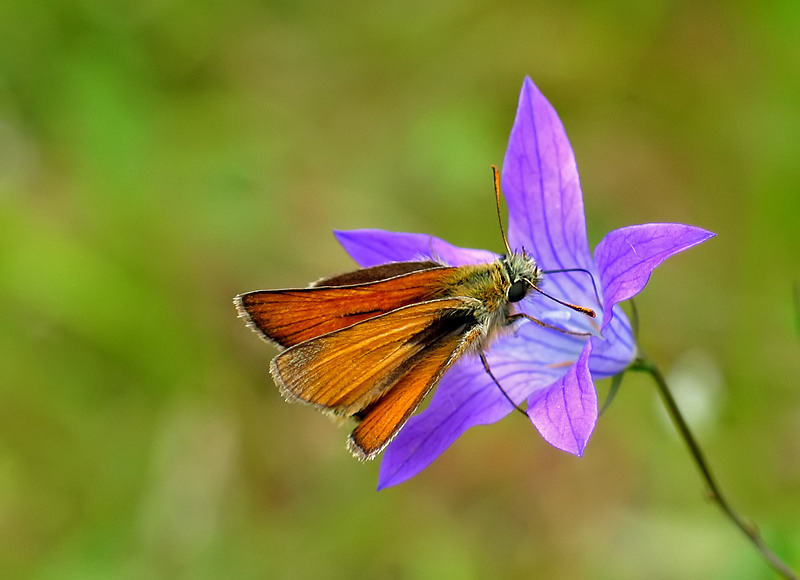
[(371, 344)]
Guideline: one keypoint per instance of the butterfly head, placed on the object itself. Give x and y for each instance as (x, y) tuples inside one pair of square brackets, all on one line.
[(522, 274)]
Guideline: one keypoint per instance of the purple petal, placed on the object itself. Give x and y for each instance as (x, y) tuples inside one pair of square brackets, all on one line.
[(627, 257), (524, 362), (565, 413), (374, 247), (542, 188), (614, 351)]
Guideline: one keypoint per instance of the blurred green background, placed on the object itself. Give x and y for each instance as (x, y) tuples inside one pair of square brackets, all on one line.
[(158, 157)]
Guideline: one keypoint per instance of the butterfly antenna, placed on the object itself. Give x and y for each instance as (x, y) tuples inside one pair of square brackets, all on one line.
[(496, 174), (581, 309)]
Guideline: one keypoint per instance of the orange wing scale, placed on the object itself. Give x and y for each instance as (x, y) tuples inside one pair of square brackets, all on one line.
[(289, 317)]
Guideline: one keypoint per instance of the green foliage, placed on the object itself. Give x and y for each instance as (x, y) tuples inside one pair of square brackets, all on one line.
[(157, 158)]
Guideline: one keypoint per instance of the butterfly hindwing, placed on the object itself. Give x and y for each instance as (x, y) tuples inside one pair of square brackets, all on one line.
[(381, 421), (378, 370)]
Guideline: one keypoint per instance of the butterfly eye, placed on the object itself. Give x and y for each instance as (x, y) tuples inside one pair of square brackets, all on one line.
[(517, 291)]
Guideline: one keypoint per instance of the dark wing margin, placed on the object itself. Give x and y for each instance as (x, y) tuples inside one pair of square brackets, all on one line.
[(376, 273)]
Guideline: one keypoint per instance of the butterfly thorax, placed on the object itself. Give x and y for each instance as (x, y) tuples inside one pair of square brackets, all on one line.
[(495, 286)]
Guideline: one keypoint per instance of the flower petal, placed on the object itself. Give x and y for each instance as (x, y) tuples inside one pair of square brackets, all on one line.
[(466, 396), (542, 188), (374, 247), (627, 257), (565, 413), (615, 350)]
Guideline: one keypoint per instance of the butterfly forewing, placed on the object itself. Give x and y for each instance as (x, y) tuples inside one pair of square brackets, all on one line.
[(290, 317)]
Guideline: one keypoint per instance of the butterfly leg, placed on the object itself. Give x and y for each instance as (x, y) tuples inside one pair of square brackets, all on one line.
[(499, 386), (514, 317)]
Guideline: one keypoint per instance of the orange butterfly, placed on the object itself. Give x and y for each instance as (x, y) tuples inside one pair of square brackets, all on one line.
[(371, 344)]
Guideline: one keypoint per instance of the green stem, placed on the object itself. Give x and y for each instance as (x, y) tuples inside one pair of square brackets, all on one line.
[(645, 364)]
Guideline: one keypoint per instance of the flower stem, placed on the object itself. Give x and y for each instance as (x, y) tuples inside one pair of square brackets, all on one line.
[(645, 364)]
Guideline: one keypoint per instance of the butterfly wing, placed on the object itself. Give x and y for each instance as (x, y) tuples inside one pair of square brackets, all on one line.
[(381, 421), (289, 317), (379, 370), (376, 273)]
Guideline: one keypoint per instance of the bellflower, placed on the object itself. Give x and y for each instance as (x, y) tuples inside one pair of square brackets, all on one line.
[(553, 372)]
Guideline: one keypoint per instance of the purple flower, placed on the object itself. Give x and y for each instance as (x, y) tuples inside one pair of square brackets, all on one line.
[(552, 371)]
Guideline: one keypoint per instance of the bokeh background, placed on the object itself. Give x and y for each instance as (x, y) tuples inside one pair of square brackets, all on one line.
[(158, 157)]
